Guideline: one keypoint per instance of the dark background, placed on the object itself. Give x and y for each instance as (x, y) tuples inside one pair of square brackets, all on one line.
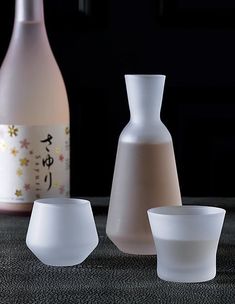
[(192, 42)]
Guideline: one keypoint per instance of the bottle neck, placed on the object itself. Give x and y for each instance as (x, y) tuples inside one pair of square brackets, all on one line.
[(29, 11), (29, 32)]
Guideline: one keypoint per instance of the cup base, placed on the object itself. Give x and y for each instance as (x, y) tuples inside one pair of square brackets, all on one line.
[(61, 263), (59, 257), (191, 275)]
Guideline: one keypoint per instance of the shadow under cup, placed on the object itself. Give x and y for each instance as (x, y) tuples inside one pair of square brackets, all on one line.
[(186, 240), (62, 231)]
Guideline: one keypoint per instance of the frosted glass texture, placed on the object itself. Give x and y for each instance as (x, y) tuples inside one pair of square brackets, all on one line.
[(145, 169), (186, 240), (62, 231)]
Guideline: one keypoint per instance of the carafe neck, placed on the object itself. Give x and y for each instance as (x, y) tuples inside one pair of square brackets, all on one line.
[(145, 97)]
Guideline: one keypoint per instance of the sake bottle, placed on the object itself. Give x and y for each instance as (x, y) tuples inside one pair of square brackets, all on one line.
[(34, 116)]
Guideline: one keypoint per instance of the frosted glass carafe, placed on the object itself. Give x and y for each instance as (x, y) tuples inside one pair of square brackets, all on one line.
[(145, 174), (34, 116)]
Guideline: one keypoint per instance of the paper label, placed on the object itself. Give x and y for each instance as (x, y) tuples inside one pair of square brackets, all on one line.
[(34, 162)]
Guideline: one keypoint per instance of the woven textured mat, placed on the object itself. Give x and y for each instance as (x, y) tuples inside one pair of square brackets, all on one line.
[(108, 276)]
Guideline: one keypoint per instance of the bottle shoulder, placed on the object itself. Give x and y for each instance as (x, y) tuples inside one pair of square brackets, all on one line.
[(154, 133), (31, 82), (29, 55)]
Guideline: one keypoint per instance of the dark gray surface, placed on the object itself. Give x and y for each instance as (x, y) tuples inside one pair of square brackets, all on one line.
[(108, 276)]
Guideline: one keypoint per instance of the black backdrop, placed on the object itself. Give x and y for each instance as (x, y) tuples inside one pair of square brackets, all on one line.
[(192, 42)]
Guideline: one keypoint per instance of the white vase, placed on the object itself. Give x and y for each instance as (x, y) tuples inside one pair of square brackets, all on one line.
[(145, 174)]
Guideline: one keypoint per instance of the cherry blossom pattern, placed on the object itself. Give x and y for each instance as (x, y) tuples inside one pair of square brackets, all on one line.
[(61, 189), (24, 143), (67, 130), (57, 151), (56, 184), (26, 187), (61, 157), (24, 162), (12, 131), (14, 151), (19, 172), (18, 193), (3, 146)]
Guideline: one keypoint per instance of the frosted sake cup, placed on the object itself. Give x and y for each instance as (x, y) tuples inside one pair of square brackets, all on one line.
[(186, 240), (62, 231)]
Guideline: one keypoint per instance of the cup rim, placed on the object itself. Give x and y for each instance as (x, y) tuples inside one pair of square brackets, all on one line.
[(209, 211), (145, 75), (61, 201)]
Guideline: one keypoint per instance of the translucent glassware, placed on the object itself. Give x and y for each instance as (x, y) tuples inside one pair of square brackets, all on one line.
[(145, 169), (62, 231), (186, 240)]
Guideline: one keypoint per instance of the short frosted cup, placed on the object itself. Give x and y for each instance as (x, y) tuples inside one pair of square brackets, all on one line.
[(62, 231), (186, 240)]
